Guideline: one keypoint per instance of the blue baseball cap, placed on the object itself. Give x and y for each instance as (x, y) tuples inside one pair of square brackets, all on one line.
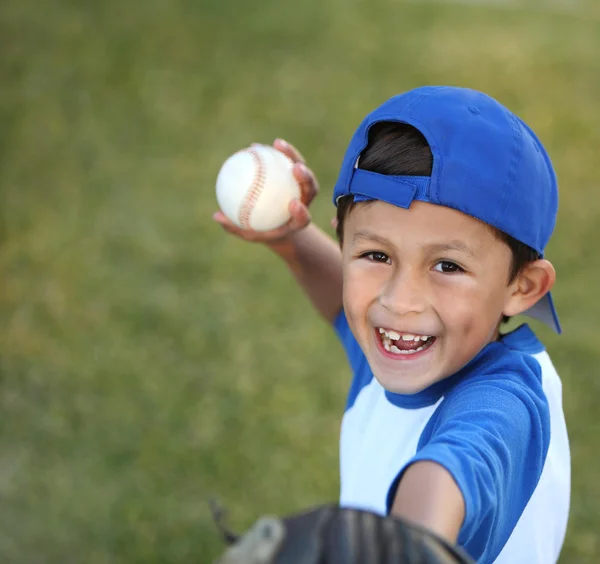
[(487, 163)]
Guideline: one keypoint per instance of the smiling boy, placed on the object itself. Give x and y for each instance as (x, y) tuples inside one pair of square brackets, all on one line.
[(445, 204)]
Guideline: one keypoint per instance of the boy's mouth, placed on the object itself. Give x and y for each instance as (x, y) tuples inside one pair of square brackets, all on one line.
[(403, 343)]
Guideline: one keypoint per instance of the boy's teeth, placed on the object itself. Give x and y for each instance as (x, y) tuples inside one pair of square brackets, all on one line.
[(395, 336)]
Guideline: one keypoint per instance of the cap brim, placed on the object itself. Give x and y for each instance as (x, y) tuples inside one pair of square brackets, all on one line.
[(545, 312)]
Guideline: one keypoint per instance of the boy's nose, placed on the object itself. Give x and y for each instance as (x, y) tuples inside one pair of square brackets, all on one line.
[(403, 294)]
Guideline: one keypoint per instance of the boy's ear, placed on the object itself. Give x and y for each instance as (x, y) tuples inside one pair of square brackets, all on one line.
[(533, 282)]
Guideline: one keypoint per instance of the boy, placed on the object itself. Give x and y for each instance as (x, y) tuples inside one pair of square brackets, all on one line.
[(445, 203)]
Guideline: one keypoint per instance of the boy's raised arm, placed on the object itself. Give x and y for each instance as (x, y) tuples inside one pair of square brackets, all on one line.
[(315, 260), (312, 256)]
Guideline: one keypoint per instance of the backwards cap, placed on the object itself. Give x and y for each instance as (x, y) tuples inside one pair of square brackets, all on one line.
[(487, 163)]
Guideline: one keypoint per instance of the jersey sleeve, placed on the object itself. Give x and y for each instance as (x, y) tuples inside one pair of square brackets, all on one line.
[(353, 351), (361, 374), (493, 438)]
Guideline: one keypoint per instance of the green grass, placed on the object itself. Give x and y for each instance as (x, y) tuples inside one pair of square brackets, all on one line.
[(147, 360)]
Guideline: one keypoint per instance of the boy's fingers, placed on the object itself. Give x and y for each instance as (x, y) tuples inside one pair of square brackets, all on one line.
[(232, 228), (249, 234), (334, 222), (309, 186), (219, 217), (300, 216), (289, 150)]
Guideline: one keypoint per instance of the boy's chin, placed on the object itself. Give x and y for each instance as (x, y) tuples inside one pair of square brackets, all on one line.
[(407, 387)]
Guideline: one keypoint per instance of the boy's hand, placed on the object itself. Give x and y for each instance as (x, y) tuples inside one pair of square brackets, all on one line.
[(299, 214)]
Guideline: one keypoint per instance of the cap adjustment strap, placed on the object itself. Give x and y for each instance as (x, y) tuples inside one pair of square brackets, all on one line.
[(397, 190)]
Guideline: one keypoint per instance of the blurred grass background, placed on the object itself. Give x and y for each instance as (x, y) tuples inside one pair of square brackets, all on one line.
[(148, 361)]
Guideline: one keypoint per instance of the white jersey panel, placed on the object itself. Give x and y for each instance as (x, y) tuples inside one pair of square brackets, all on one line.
[(540, 532), (377, 440)]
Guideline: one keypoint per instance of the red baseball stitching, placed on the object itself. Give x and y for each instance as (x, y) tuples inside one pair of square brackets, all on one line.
[(258, 183)]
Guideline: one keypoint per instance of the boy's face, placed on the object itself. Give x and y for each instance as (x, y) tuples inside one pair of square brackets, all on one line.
[(428, 271)]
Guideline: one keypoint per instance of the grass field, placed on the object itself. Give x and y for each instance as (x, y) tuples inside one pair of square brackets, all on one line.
[(147, 360)]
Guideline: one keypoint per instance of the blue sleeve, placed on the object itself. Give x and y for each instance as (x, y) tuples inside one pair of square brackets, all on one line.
[(356, 358), (340, 324), (362, 375), (493, 438)]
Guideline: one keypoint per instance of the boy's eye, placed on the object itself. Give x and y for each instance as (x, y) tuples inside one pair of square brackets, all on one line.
[(377, 256), (448, 267)]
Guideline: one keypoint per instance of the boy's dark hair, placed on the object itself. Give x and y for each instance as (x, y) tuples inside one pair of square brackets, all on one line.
[(400, 149)]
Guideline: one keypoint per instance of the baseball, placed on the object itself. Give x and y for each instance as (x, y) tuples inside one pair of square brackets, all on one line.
[(255, 187)]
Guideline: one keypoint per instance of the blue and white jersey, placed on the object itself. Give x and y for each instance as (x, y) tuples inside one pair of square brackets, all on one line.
[(497, 426)]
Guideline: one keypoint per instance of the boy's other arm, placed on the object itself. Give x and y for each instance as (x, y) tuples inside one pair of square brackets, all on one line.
[(480, 461), (315, 261), (428, 496)]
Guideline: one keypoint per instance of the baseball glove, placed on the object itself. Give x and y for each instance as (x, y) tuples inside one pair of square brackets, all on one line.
[(330, 534)]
